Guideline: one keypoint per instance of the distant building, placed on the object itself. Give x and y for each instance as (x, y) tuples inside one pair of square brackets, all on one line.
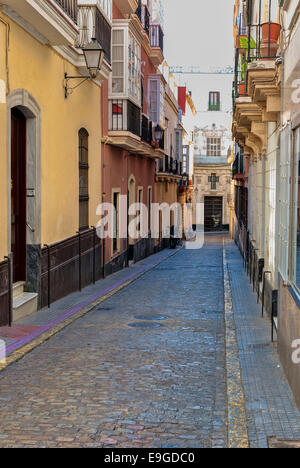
[(212, 172)]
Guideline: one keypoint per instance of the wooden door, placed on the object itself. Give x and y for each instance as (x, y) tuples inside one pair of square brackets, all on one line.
[(18, 194)]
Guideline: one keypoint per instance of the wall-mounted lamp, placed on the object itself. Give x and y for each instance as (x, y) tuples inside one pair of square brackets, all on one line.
[(158, 133), (94, 56)]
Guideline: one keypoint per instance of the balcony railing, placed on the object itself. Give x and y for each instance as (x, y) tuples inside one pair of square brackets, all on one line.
[(238, 165), (125, 116), (161, 144), (156, 36), (241, 205), (69, 7), (147, 130), (240, 74), (144, 16), (103, 34), (169, 165), (260, 40)]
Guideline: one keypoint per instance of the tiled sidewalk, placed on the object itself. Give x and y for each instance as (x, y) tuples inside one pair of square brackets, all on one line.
[(46, 319), (271, 410)]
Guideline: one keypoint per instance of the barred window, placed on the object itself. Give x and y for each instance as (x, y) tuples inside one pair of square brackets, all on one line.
[(83, 179)]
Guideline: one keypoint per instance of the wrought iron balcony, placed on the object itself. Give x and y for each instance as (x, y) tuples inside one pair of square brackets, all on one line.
[(169, 165), (144, 17), (103, 34), (260, 40), (129, 130), (93, 24), (147, 130), (125, 116), (156, 36), (161, 144), (240, 74), (69, 7), (241, 205), (238, 165)]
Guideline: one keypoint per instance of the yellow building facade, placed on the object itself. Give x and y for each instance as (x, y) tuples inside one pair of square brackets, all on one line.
[(40, 147)]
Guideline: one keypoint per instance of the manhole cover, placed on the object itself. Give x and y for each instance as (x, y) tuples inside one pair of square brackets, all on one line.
[(259, 346), (145, 325), (152, 317)]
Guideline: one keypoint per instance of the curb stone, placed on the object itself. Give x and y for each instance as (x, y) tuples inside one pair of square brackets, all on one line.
[(237, 418)]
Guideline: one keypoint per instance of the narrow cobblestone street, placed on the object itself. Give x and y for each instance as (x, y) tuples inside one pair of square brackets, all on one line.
[(147, 368)]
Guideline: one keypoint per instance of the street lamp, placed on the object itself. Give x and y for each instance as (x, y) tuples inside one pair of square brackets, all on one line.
[(158, 133), (93, 55)]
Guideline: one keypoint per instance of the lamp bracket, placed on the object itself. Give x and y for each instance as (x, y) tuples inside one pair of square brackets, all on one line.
[(68, 89)]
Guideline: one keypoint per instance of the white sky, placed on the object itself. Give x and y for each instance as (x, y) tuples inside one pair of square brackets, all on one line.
[(199, 32)]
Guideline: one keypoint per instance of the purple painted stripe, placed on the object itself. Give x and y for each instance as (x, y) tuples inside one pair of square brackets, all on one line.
[(23, 341)]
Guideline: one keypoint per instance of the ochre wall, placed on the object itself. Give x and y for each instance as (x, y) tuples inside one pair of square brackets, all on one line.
[(3, 159), (42, 75)]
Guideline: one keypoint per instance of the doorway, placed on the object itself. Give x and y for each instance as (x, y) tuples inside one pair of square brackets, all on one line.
[(213, 213), (18, 194)]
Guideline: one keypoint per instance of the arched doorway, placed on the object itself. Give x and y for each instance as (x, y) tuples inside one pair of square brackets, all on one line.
[(18, 194)]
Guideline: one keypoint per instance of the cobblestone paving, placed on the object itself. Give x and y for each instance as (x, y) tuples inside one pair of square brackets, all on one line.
[(271, 409), (102, 383)]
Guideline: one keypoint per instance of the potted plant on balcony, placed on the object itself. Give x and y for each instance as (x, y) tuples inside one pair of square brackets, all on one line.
[(243, 68), (270, 36), (244, 41), (270, 29), (240, 40)]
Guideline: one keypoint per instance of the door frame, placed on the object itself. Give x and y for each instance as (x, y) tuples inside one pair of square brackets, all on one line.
[(18, 192), (221, 197), (26, 103)]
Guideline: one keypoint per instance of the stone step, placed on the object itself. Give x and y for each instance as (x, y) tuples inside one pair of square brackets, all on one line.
[(18, 289), (24, 305)]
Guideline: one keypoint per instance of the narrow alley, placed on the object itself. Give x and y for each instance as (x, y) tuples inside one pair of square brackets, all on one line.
[(148, 366)]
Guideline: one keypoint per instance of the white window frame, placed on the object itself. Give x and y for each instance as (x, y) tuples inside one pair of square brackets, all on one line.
[(160, 100), (128, 32), (213, 143)]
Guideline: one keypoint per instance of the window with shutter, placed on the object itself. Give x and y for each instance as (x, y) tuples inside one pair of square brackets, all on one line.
[(118, 61), (134, 68), (178, 145), (153, 101)]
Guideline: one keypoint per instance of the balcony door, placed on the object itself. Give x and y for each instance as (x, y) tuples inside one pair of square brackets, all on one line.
[(18, 194)]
